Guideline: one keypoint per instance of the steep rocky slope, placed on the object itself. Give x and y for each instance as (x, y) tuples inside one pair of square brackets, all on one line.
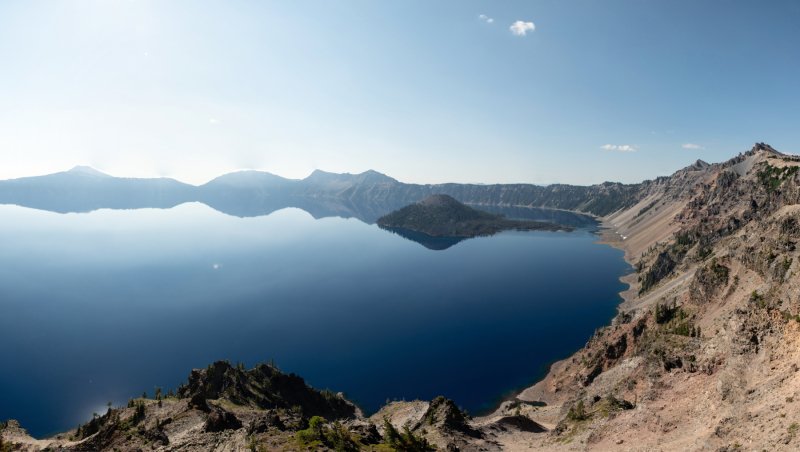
[(703, 354)]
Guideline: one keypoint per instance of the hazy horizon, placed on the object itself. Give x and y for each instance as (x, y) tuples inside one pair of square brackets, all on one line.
[(238, 170)]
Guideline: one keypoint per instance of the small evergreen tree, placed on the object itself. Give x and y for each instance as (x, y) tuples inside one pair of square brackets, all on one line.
[(139, 413), (405, 441), (578, 412)]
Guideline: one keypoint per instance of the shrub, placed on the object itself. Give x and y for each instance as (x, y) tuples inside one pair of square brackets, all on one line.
[(771, 177), (314, 432), (664, 312), (339, 438), (139, 413), (758, 299), (404, 441), (336, 437), (578, 412)]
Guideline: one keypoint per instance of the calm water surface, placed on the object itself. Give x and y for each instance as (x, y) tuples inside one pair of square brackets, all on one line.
[(99, 307)]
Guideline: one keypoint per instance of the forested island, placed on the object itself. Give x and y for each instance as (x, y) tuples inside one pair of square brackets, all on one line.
[(443, 216)]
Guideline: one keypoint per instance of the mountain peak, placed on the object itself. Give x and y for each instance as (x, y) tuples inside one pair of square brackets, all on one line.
[(248, 178), (699, 165), (370, 176), (88, 171), (375, 176), (439, 201), (764, 147)]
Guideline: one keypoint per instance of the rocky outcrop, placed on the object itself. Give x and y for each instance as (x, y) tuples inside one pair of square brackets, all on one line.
[(263, 387), (443, 414), (219, 419)]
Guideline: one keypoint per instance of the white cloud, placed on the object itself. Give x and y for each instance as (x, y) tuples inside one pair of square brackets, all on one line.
[(486, 19), (521, 28), (213, 121), (619, 147), (692, 146)]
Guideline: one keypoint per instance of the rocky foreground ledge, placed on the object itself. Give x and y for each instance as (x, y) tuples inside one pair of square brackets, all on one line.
[(230, 408)]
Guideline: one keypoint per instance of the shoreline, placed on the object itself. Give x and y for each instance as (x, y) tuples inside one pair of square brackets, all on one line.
[(606, 236)]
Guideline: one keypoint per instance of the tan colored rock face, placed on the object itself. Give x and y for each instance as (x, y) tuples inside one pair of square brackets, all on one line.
[(732, 228)]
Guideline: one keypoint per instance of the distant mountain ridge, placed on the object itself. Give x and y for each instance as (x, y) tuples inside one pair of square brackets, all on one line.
[(83, 189), (366, 195)]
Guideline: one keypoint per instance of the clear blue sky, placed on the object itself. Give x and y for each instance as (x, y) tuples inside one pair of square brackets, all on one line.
[(425, 91)]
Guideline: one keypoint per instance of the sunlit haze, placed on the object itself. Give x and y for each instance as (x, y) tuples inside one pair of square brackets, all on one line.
[(474, 91)]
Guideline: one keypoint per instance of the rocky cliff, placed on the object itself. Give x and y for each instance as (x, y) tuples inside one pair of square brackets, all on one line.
[(703, 354)]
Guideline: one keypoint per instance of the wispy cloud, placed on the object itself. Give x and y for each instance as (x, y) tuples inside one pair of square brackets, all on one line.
[(619, 147), (692, 146), (486, 19), (521, 28)]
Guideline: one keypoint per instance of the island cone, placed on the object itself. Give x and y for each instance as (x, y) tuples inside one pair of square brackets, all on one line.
[(443, 216)]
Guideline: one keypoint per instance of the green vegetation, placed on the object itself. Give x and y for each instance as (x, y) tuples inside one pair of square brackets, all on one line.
[(662, 267), (703, 252), (787, 316), (577, 412), (675, 320), (772, 177), (139, 413), (668, 259), (253, 446), (443, 216), (664, 312), (785, 265), (720, 271), (611, 404), (91, 427), (683, 239), (758, 300), (335, 436), (792, 430), (709, 279), (4, 447), (404, 441), (647, 207)]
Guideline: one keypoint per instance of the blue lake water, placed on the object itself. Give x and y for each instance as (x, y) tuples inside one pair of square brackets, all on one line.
[(101, 306)]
